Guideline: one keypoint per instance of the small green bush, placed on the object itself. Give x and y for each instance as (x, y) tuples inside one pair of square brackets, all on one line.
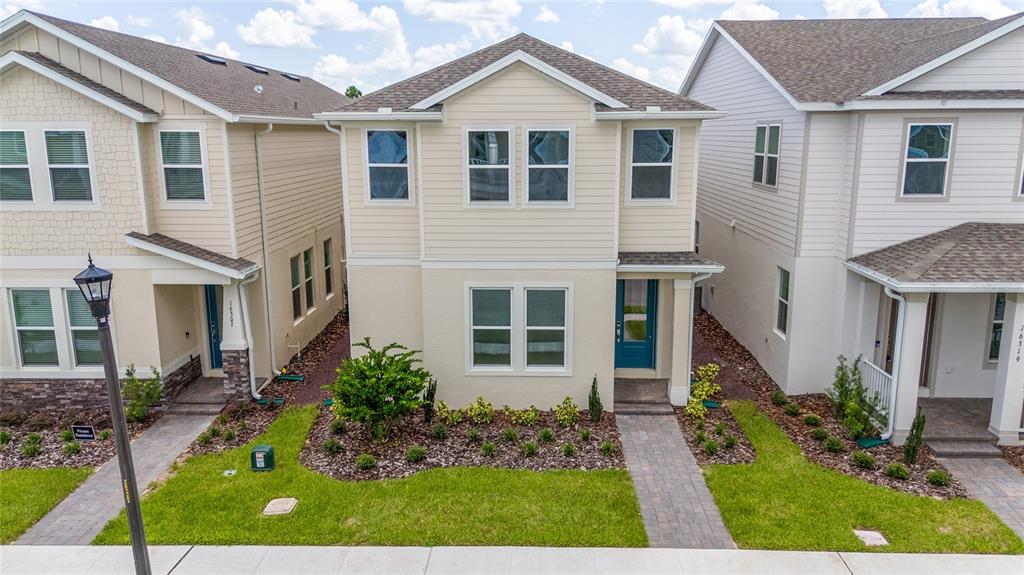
[(569, 450), (608, 448), (66, 435), (812, 420), (30, 449), (529, 416), (529, 449), (332, 447), (897, 471), (34, 437), (699, 425), (480, 411), (214, 431), (779, 397), (222, 419), (338, 426), (72, 448), (730, 441), (415, 454), (710, 447), (140, 395), (229, 435), (474, 435), (11, 418), (204, 439), (594, 405), (510, 435), (585, 434), (5, 437), (863, 459), (429, 392), (819, 433), (365, 461), (793, 409), (440, 431), (546, 435), (834, 444), (914, 439), (938, 477), (567, 412), (700, 437), (449, 416), (719, 429), (38, 422), (488, 448), (105, 434)]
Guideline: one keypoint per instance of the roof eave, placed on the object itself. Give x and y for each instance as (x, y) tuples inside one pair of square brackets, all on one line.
[(671, 268), (926, 104), (934, 287), (257, 119), (185, 258), (379, 116), (660, 115)]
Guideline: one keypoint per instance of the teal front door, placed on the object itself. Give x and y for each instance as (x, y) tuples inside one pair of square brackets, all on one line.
[(636, 304), (213, 296)]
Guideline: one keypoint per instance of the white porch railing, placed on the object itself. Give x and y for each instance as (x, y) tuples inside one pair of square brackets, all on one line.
[(878, 384)]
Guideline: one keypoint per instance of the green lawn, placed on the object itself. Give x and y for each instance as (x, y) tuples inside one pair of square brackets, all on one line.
[(459, 506), (27, 494), (783, 501)]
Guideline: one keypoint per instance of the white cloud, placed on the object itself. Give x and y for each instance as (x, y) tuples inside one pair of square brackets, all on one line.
[(139, 21), (280, 29), (673, 38), (106, 22), (546, 15), (156, 38), (342, 15), (690, 4), (749, 10), (11, 8), (199, 33), (567, 45), (487, 20), (952, 8), (624, 65), (854, 9)]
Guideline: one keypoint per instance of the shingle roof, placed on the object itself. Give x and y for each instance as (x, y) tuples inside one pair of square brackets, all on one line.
[(230, 87), (72, 75), (838, 60), (241, 265), (636, 94), (663, 259), (971, 252), (949, 95)]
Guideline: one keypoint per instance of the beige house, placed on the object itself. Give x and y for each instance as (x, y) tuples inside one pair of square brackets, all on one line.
[(205, 185), (524, 216)]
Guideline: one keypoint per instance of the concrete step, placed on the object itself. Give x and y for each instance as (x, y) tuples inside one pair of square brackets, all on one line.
[(624, 408), (194, 408), (947, 448)]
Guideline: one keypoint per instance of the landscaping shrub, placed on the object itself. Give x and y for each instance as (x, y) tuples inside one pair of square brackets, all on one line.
[(719, 429), (608, 448), (594, 405), (488, 448), (379, 387), (204, 439), (365, 461), (529, 449), (510, 435), (834, 444), (229, 435), (546, 435), (140, 395), (415, 454), (30, 449), (699, 425), (569, 450), (567, 412), (730, 441), (448, 415), (897, 471), (214, 431), (699, 436), (105, 434), (66, 435), (779, 397), (702, 389), (439, 431), (474, 435), (793, 409), (938, 477), (338, 426), (480, 411), (585, 434), (332, 447), (863, 459), (843, 390), (34, 437), (38, 422), (222, 419), (819, 433), (854, 407), (914, 439), (812, 420), (11, 418), (72, 448), (710, 447), (428, 400), (528, 416), (5, 437)]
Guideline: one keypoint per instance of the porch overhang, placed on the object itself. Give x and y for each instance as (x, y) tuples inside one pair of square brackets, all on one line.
[(666, 262), (201, 258), (934, 287)]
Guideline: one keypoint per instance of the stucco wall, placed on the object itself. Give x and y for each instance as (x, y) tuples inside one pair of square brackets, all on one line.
[(960, 347)]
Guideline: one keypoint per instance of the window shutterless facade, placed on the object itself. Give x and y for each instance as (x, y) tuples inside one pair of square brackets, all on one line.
[(782, 305), (296, 288), (53, 329), (181, 155), (67, 157), (85, 336), (766, 154), (34, 326), (489, 154), (491, 325), (307, 269), (995, 335), (387, 160), (549, 166), (652, 165), (926, 160), (545, 327), (519, 329), (328, 269), (15, 176)]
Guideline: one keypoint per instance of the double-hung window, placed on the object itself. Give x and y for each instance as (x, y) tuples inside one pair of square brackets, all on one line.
[(766, 154), (549, 169), (651, 164), (296, 288), (85, 337), (33, 322), (15, 179), (387, 156), (67, 156), (782, 304), (519, 328), (307, 268), (545, 327), (491, 321), (995, 337), (489, 161), (181, 154), (926, 162), (328, 269)]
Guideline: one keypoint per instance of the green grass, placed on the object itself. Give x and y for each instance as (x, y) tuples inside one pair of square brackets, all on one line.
[(28, 494), (457, 506), (783, 501)]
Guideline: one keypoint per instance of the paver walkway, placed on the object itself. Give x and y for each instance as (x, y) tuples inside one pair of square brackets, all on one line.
[(79, 518), (676, 504), (996, 484)]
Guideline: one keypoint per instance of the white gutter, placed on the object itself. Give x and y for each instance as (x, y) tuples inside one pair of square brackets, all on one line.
[(922, 104), (380, 115), (659, 115), (901, 316), (693, 288), (244, 301), (930, 287), (703, 269), (275, 120), (267, 295)]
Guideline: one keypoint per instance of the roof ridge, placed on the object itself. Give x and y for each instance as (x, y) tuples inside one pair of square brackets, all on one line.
[(1003, 20), (956, 233)]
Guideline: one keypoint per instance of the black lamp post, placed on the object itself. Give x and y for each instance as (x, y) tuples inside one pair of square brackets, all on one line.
[(95, 285)]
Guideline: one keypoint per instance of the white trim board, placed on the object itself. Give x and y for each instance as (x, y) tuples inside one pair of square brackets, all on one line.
[(937, 287), (690, 269)]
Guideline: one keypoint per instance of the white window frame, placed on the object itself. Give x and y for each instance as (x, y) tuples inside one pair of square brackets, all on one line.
[(72, 329), (992, 322), (39, 169), (167, 203), (526, 330), (90, 165), (767, 145), (570, 199), (778, 299), (696, 236), (409, 145), (905, 160), (27, 165), (54, 314), (518, 335), (467, 202), (308, 286), (671, 200), (328, 254), (298, 266)]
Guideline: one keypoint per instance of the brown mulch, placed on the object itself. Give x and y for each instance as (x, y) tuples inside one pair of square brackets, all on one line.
[(317, 362), (742, 452), (235, 426), (457, 450), (753, 382), (712, 344), (50, 424), (1014, 455)]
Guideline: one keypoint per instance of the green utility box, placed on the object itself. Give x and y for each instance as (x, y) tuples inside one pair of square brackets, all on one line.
[(262, 458)]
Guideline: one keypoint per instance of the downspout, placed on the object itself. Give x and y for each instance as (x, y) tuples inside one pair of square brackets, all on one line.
[(696, 278), (268, 294), (897, 347), (244, 301)]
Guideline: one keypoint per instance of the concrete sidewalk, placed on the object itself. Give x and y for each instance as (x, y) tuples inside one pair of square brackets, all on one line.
[(253, 560)]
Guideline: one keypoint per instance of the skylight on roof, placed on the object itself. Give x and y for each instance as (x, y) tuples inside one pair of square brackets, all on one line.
[(213, 59), (291, 77), (257, 69)]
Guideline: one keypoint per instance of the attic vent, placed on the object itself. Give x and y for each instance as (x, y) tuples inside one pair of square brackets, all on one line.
[(257, 69), (213, 59), (291, 77)]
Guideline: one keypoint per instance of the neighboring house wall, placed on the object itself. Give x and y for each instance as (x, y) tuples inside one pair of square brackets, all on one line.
[(998, 65)]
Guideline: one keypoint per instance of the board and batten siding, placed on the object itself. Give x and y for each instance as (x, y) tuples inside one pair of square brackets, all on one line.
[(998, 65), (727, 82), (986, 155), (828, 173)]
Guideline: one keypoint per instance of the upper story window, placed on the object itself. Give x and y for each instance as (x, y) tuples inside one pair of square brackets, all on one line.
[(15, 178), (67, 155), (651, 165), (181, 154), (995, 337), (489, 163), (549, 158), (926, 163), (766, 154), (782, 307), (387, 158)]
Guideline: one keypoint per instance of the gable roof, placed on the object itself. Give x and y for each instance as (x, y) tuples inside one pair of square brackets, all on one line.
[(192, 254), (624, 93), (841, 60), (226, 88)]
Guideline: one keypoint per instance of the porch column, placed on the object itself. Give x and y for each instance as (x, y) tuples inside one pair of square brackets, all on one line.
[(682, 332), (1008, 400), (234, 347), (908, 372)]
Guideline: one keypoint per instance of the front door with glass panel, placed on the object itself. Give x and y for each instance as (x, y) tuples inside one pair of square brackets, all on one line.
[(636, 303), (213, 295)]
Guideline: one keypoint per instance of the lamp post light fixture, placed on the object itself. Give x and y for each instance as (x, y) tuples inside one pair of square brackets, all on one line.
[(95, 285)]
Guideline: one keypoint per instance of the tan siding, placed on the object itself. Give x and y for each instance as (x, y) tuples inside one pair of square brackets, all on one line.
[(998, 65), (245, 189)]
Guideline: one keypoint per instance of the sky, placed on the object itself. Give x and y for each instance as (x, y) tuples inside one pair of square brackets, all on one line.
[(371, 44)]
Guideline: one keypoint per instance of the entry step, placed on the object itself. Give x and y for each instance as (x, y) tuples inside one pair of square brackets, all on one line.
[(631, 408), (948, 448)]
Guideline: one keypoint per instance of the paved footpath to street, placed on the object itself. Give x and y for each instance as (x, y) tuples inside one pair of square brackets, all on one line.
[(81, 516), (996, 484), (258, 560)]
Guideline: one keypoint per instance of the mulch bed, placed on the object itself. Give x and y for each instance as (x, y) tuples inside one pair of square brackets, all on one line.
[(1014, 455), (742, 452), (50, 424), (457, 450), (751, 381), (235, 426)]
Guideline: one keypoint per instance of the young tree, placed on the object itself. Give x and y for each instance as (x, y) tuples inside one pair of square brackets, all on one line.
[(594, 405), (353, 92)]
